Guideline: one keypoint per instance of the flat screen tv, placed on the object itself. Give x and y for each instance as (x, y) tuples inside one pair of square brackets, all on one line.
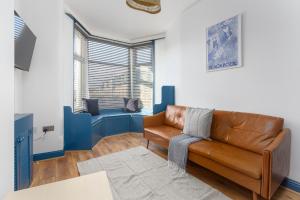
[(24, 44)]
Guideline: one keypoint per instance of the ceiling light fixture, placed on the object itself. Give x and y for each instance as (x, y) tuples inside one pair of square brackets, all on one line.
[(150, 6)]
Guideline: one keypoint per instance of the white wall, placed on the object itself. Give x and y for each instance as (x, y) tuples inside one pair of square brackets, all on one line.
[(18, 76), (269, 81), (43, 88), (67, 47), (166, 66), (160, 68), (7, 97)]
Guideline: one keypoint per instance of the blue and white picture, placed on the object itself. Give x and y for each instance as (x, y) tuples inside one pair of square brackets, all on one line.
[(224, 44)]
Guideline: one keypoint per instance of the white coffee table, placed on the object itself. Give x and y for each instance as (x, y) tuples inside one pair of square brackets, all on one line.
[(92, 187)]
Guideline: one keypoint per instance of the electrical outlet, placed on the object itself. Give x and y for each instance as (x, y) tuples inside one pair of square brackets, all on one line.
[(48, 128)]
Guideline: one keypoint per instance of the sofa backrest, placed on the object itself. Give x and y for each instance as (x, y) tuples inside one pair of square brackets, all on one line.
[(249, 131), (253, 132), (175, 116)]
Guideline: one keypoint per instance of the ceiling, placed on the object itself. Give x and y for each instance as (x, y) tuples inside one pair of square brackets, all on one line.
[(115, 20)]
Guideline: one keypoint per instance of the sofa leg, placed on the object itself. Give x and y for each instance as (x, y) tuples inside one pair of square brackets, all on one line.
[(147, 144), (254, 196)]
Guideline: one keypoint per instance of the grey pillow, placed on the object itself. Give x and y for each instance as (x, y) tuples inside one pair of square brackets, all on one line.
[(197, 122), (131, 105)]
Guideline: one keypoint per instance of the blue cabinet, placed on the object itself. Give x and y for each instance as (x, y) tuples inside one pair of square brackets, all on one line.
[(23, 150)]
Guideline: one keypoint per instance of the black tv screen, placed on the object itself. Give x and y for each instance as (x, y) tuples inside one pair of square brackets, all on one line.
[(24, 44)]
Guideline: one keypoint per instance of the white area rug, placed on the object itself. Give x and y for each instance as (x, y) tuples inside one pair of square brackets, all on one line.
[(139, 174)]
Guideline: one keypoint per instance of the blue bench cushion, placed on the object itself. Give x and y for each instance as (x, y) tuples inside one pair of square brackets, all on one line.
[(115, 113)]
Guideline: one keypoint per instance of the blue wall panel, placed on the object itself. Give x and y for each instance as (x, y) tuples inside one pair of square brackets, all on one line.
[(48, 155), (291, 184), (167, 98)]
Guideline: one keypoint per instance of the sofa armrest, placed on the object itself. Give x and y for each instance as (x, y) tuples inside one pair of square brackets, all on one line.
[(155, 120), (276, 163)]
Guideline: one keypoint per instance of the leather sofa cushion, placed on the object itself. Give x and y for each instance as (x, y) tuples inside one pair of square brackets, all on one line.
[(252, 132), (244, 161), (166, 132), (175, 116)]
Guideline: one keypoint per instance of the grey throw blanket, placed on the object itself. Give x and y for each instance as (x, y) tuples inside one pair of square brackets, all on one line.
[(178, 150), (196, 127)]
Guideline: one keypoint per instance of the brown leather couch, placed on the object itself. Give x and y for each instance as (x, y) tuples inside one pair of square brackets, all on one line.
[(249, 149)]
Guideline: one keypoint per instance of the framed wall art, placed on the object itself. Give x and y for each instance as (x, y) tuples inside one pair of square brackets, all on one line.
[(224, 44)]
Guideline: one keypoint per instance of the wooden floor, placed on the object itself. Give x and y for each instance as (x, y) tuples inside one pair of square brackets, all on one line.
[(57, 169)]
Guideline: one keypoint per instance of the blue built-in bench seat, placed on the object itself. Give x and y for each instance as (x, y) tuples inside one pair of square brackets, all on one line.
[(82, 130)]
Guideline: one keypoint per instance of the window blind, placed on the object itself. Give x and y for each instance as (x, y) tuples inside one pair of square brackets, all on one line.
[(79, 74), (142, 73), (108, 73)]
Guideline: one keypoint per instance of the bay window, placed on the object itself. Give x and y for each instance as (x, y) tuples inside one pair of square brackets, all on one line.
[(110, 71)]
